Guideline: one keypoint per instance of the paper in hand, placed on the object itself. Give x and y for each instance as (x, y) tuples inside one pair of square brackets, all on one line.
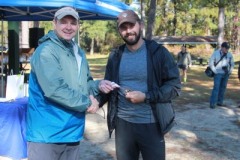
[(115, 85)]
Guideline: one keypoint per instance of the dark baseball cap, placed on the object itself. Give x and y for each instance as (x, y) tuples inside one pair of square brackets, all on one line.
[(66, 11), (225, 45), (127, 16)]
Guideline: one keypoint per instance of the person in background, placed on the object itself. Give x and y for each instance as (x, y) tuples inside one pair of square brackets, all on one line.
[(239, 72), (222, 71), (239, 80), (61, 90), (135, 66), (184, 62)]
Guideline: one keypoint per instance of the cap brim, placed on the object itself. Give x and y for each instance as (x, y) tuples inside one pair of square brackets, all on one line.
[(227, 47), (67, 14), (126, 21)]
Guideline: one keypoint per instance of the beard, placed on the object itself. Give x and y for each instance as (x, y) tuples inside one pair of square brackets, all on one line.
[(134, 41)]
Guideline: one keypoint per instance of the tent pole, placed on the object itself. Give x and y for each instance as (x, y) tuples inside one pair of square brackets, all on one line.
[(2, 74)]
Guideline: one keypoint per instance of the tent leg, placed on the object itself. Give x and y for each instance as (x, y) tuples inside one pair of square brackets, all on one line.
[(2, 74)]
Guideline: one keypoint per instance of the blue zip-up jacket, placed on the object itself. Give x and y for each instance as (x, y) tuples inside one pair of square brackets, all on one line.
[(58, 93)]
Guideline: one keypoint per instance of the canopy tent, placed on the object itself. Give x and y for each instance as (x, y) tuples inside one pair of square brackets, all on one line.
[(193, 40), (43, 10)]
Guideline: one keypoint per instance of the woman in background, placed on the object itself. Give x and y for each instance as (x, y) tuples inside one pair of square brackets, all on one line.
[(184, 62)]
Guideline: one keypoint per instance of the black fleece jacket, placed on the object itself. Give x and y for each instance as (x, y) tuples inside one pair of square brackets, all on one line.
[(163, 78)]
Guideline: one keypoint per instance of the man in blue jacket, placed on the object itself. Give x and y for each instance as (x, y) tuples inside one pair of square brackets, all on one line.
[(147, 75), (61, 90)]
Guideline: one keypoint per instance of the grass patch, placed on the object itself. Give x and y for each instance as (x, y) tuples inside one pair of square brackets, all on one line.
[(97, 65), (97, 60)]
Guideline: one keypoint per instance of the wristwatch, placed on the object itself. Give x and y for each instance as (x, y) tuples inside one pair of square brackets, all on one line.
[(147, 98)]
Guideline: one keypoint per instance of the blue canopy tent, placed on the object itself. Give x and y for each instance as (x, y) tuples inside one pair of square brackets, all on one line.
[(43, 10)]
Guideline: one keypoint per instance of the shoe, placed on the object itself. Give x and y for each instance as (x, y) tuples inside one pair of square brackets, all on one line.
[(212, 106), (221, 104)]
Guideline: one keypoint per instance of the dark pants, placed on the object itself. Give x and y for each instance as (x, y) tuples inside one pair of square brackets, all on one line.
[(182, 66), (133, 138), (50, 151)]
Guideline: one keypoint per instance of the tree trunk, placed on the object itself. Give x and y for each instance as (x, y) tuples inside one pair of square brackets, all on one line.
[(221, 22), (142, 17), (151, 19), (165, 20), (92, 47), (235, 30), (36, 24), (24, 35), (174, 18)]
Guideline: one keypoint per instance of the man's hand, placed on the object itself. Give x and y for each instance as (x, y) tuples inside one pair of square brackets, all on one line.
[(135, 96), (95, 105), (106, 86)]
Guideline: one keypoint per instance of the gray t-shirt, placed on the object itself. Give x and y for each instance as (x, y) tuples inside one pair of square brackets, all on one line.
[(133, 76)]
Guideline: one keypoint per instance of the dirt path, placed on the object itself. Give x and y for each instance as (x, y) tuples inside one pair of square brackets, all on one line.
[(201, 133)]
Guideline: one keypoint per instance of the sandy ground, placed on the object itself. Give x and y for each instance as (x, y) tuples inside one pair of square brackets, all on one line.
[(201, 133)]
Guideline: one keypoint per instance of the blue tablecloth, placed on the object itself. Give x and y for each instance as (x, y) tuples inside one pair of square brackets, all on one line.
[(13, 129)]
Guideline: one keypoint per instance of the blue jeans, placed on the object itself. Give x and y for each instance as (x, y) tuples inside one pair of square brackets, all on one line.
[(220, 84)]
